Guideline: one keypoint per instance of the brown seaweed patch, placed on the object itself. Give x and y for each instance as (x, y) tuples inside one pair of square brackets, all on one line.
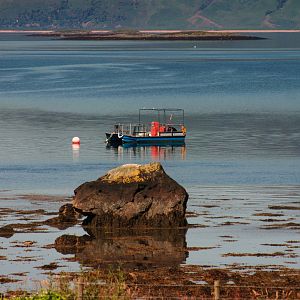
[(292, 263), (191, 214), (6, 198), (289, 250), (37, 197), (275, 245), (220, 217), (208, 206), (25, 258), (50, 213), (281, 254), (21, 274), (197, 226), (31, 212), (224, 217), (293, 247), (34, 229), (200, 248), (5, 211), (24, 244), (284, 207), (51, 266), (6, 279), (27, 227), (69, 259), (274, 220), (26, 219), (202, 213), (289, 225), (48, 246), (268, 215), (24, 225), (229, 223), (27, 250)]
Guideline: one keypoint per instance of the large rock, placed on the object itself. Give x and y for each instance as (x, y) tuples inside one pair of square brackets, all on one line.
[(132, 196)]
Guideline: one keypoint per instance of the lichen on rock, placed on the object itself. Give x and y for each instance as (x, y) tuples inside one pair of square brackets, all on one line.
[(129, 173)]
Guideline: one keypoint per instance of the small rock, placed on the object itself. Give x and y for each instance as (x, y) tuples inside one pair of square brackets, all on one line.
[(50, 267), (67, 217), (67, 213), (28, 243), (7, 231)]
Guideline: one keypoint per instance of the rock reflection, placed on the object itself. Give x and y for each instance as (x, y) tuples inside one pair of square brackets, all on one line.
[(129, 248)]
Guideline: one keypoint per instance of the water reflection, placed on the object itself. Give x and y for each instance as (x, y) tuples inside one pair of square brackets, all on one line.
[(162, 152), (130, 248), (75, 151)]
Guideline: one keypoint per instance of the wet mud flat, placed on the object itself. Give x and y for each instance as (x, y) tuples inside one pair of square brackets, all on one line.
[(246, 237)]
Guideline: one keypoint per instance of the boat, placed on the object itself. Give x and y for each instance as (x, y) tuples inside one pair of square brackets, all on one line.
[(162, 129)]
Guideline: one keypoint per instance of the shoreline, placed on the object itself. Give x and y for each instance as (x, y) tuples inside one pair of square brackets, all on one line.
[(135, 35), (159, 31)]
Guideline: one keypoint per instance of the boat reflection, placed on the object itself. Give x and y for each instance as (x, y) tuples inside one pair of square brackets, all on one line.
[(154, 152), (129, 248)]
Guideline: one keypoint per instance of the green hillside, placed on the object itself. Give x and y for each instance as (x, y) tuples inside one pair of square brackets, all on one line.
[(150, 14)]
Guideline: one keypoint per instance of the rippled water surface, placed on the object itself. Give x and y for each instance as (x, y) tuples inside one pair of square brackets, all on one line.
[(242, 109)]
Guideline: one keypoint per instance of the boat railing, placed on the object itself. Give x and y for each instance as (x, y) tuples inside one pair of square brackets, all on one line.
[(142, 130), (129, 129)]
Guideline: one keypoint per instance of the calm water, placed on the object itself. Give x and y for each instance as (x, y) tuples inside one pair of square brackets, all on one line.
[(241, 100), (242, 104)]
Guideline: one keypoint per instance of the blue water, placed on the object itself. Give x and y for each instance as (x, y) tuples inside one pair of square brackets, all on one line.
[(241, 101)]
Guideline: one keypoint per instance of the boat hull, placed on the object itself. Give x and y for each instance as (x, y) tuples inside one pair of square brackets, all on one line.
[(153, 140), (113, 139)]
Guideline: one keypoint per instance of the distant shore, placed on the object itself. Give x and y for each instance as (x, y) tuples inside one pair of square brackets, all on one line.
[(163, 31), (149, 35), (135, 35)]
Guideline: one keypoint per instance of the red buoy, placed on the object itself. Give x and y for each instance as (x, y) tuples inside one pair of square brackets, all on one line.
[(76, 140)]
